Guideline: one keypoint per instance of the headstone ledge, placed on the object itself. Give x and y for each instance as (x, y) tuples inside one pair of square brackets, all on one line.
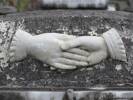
[(7, 10), (33, 74)]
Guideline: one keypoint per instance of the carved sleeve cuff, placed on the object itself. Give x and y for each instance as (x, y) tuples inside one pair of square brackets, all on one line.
[(115, 45), (19, 45)]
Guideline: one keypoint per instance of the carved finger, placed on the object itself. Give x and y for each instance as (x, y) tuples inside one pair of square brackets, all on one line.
[(63, 66), (96, 57), (74, 56), (71, 62), (79, 51)]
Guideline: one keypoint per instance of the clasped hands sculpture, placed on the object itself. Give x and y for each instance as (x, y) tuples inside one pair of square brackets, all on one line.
[(67, 51)]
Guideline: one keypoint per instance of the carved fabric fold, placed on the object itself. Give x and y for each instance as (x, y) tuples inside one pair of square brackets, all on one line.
[(115, 45), (18, 49)]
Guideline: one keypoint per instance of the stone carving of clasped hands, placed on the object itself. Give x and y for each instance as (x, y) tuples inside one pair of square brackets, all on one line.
[(66, 51)]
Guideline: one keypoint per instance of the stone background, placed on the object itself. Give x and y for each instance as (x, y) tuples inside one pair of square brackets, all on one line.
[(109, 74)]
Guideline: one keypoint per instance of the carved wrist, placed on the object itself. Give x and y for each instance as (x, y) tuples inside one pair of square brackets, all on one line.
[(20, 45), (115, 45)]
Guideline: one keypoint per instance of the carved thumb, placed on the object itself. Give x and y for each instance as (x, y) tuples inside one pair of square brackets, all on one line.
[(70, 44)]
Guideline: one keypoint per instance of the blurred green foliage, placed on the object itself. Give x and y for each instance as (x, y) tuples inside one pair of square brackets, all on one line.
[(3, 2), (20, 5)]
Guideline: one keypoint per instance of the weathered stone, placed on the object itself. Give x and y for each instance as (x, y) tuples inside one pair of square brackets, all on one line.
[(31, 73)]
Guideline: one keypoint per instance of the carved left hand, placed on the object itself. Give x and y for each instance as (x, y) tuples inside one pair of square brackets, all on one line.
[(47, 48)]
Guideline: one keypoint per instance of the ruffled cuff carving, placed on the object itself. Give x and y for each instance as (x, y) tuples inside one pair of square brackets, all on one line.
[(115, 45), (19, 45)]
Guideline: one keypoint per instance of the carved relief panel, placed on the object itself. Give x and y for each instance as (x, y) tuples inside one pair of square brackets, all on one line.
[(78, 50)]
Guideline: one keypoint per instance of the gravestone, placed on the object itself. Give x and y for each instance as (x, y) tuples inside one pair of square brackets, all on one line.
[(32, 74)]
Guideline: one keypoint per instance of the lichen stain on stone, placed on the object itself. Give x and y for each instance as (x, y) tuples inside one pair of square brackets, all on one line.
[(76, 30), (92, 33), (7, 30), (118, 67), (127, 33)]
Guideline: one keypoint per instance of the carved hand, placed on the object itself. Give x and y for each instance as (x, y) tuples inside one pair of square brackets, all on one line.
[(47, 48), (59, 50), (110, 44), (95, 45)]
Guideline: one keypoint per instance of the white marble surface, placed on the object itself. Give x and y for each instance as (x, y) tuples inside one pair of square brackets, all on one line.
[(76, 3)]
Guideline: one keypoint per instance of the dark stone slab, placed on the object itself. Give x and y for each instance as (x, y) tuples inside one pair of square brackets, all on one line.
[(110, 74), (7, 10)]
